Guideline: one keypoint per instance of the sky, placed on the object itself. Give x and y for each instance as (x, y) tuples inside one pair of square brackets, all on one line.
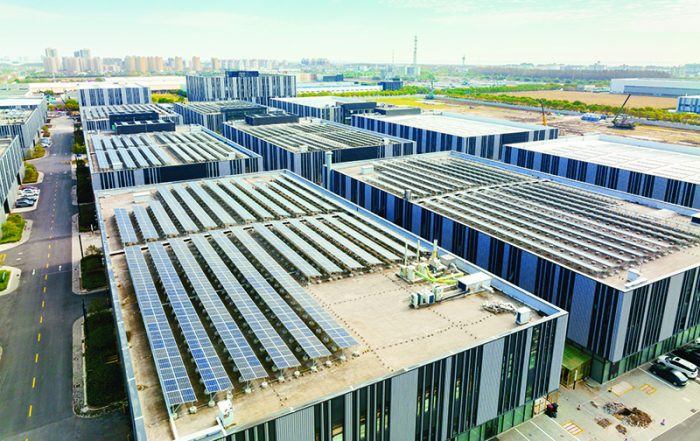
[(640, 32)]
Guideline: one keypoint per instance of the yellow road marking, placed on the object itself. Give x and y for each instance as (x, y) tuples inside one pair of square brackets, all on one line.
[(49, 256), (44, 289), (47, 265), (2, 258), (46, 277), (49, 246), (38, 337), (30, 411), (33, 382), (41, 319), (42, 303), (36, 358)]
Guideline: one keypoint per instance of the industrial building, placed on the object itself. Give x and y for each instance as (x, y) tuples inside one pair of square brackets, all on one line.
[(213, 114), (112, 94), (22, 118), (666, 172), (21, 102), (262, 307), (392, 84), (441, 131), (103, 118), (688, 103), (336, 87), (11, 172), (627, 272), (247, 85), (190, 152), (656, 87), (331, 108), (301, 145)]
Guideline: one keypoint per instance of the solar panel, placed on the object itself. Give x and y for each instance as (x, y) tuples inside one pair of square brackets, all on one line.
[(231, 202), (102, 161), (315, 197), (347, 243), (193, 207), (185, 221), (172, 374), (148, 230), (136, 153), (162, 218), (306, 205), (126, 158), (113, 157), (371, 244), (234, 341), (280, 212), (388, 236), (309, 251), (148, 154), (331, 249), (280, 355), (256, 208), (285, 250), (214, 206), (127, 234), (281, 201), (336, 332), (209, 367), (284, 313)]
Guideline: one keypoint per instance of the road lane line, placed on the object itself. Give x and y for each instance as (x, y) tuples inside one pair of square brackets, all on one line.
[(42, 303), (46, 277), (36, 358), (47, 265), (38, 337), (44, 289), (33, 382), (41, 319), (30, 411)]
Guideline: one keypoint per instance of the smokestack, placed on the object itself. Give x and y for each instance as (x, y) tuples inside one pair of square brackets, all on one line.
[(415, 55)]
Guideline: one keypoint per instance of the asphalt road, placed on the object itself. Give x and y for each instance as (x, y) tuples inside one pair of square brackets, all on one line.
[(687, 430), (36, 320)]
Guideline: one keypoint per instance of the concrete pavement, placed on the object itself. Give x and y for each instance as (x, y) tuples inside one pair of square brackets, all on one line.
[(36, 320)]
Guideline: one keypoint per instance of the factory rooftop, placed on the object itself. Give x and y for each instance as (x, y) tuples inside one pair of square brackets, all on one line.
[(321, 101), (104, 112), (311, 134), (14, 116), (25, 102), (586, 231), (213, 107), (4, 144), (297, 293), (453, 124), (106, 85), (663, 160), (187, 145)]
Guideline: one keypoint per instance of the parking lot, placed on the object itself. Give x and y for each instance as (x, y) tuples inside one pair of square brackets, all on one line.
[(667, 406)]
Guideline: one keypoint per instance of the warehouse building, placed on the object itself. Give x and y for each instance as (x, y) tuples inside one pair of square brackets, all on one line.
[(331, 108), (301, 145), (665, 172), (246, 85), (689, 103), (112, 94), (656, 87), (190, 152), (336, 87), (440, 131), (11, 172), (295, 325), (23, 118), (104, 118), (212, 115), (22, 103), (627, 273)]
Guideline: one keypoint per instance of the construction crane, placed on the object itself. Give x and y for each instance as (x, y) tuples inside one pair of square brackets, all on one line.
[(621, 120), (544, 115)]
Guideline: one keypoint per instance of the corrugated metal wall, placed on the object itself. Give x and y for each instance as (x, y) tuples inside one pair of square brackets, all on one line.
[(402, 418)]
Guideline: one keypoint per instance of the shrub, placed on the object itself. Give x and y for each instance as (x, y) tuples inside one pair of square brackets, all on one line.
[(31, 175), (12, 228), (4, 279), (37, 152)]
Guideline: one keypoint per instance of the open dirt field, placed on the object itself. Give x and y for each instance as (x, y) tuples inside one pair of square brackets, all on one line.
[(599, 98), (568, 125)]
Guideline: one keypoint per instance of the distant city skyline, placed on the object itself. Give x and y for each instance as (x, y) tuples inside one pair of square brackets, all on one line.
[(644, 32)]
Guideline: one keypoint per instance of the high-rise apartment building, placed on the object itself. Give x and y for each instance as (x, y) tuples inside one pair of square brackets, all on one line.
[(196, 64), (240, 85)]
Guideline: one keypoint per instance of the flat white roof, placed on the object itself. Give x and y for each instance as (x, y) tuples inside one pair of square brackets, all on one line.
[(451, 124), (320, 101), (105, 85), (650, 158), (13, 102)]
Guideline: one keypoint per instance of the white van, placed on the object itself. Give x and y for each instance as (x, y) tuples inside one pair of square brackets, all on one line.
[(685, 367)]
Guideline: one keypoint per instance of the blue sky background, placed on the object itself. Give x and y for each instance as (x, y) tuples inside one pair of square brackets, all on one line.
[(486, 31)]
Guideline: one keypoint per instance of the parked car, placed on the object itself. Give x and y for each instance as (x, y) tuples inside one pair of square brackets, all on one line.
[(669, 375), (28, 191), (689, 354), (29, 187), (23, 203), (685, 367)]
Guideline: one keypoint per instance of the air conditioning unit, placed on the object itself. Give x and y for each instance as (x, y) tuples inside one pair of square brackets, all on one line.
[(522, 315)]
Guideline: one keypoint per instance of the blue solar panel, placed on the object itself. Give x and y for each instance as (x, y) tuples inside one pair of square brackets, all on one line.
[(387, 235), (209, 367), (286, 251), (260, 197), (185, 221), (256, 208), (331, 249), (306, 205), (307, 249), (336, 332), (280, 355), (194, 208), (346, 243), (376, 245), (284, 313), (237, 346), (172, 374), (230, 202), (127, 234), (212, 205), (307, 192), (290, 207), (166, 225), (148, 230)]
